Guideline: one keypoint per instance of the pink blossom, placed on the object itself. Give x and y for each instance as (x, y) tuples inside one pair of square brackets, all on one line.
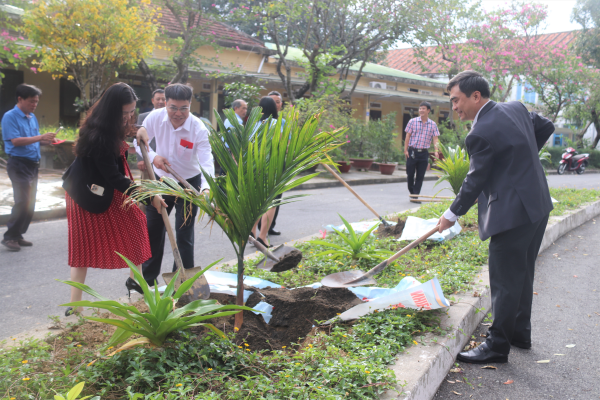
[(213, 5), (323, 234), (332, 127), (34, 69), (237, 48), (16, 56), (213, 32), (6, 48)]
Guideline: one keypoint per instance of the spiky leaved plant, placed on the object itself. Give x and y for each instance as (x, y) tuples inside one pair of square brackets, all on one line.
[(455, 167), (263, 160)]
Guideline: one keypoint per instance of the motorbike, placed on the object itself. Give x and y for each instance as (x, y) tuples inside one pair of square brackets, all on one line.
[(572, 161)]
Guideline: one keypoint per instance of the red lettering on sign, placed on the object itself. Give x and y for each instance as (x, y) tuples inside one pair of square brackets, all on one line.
[(420, 300)]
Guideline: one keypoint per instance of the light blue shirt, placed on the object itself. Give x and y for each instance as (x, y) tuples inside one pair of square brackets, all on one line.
[(16, 124), (229, 125)]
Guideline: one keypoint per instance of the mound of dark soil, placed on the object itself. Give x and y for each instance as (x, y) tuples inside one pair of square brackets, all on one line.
[(294, 314), (393, 230), (288, 261)]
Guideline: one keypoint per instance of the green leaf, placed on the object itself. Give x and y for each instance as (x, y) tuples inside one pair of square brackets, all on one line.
[(74, 392)]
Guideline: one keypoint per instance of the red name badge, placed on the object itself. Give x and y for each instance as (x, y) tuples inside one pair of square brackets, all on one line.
[(186, 144)]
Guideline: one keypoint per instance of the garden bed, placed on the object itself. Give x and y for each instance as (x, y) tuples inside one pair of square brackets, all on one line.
[(288, 358)]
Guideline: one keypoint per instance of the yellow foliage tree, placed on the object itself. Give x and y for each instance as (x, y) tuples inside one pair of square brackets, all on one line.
[(88, 40)]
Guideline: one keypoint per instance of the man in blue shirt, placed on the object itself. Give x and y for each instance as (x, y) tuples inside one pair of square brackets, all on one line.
[(22, 139)]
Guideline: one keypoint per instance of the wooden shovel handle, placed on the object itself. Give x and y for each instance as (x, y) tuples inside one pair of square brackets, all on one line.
[(378, 268), (343, 182), (256, 243), (163, 212)]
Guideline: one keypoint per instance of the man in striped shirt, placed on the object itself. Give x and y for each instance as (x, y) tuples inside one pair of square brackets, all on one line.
[(420, 131)]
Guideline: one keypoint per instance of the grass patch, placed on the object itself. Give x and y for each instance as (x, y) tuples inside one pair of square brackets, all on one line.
[(570, 199)]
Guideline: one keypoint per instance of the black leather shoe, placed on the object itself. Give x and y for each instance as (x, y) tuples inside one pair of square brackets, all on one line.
[(131, 284), (268, 246), (481, 355), (274, 232)]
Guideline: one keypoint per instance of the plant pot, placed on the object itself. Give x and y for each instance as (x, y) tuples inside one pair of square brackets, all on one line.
[(374, 167), (387, 169), (361, 163), (312, 170), (344, 166)]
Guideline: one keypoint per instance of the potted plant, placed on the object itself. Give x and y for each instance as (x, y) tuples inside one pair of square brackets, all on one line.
[(64, 152), (384, 146), (340, 157), (359, 146)]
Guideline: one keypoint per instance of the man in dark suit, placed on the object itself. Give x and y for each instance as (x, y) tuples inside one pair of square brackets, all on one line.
[(507, 180), (158, 101)]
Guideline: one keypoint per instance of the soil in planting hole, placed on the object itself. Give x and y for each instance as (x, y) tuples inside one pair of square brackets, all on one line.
[(393, 230), (288, 261), (294, 314)]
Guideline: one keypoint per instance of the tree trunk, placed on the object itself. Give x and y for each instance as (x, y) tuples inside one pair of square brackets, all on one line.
[(579, 135), (148, 75), (596, 120), (239, 317)]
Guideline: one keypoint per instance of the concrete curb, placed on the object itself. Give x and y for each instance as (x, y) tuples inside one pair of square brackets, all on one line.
[(40, 215), (357, 182), (423, 368)]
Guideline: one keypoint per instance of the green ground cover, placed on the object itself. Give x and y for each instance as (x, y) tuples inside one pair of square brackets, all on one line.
[(346, 361)]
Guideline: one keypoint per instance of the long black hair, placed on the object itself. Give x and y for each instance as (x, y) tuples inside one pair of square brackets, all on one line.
[(103, 130), (269, 108)]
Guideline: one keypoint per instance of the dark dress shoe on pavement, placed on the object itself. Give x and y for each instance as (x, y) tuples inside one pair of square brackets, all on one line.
[(481, 355), (268, 246), (274, 232), (25, 243), (12, 245)]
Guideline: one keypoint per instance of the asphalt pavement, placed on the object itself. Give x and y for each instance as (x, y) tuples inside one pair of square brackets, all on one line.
[(564, 361), (31, 293)]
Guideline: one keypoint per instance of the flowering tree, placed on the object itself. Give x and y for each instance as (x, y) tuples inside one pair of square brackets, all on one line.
[(11, 52), (501, 44), (88, 40)]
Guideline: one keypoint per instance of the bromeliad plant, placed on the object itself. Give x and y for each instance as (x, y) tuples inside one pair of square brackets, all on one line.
[(161, 319), (262, 160), (454, 166), (354, 246)]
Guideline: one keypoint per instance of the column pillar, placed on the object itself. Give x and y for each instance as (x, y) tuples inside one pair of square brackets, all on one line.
[(214, 101), (367, 107)]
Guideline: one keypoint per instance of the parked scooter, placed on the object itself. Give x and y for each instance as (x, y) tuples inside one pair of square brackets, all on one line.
[(573, 162)]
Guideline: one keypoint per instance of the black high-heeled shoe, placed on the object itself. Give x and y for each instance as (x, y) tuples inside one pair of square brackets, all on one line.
[(70, 311), (130, 284), (268, 246)]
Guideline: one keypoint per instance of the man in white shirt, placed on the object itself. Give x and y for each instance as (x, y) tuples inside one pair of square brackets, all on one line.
[(240, 107), (181, 143)]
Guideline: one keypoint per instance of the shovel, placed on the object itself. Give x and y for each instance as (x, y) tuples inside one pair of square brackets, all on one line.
[(343, 182), (359, 278), (200, 288), (287, 258)]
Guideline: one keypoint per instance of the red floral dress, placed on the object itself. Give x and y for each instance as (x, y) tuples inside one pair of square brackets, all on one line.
[(95, 239)]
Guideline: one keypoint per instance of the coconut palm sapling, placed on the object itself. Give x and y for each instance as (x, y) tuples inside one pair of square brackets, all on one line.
[(261, 161)]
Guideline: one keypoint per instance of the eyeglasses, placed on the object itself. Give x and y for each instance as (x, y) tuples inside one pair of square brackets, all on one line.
[(180, 109)]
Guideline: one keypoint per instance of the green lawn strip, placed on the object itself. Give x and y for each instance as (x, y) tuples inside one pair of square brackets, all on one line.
[(350, 361)]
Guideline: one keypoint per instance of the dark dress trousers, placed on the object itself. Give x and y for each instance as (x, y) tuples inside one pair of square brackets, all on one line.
[(507, 178)]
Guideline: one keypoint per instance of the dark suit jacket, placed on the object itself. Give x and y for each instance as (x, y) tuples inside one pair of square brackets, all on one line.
[(105, 170), (140, 121), (505, 172)]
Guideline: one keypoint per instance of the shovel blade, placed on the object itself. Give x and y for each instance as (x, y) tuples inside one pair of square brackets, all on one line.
[(199, 290), (280, 252), (346, 278)]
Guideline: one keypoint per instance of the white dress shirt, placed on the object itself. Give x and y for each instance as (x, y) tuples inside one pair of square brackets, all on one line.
[(171, 144), (449, 215), (229, 125)]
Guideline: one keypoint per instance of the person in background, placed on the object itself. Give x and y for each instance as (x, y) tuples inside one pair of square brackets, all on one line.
[(420, 131), (158, 101), (22, 140), (100, 226), (269, 109), (240, 107), (507, 181), (144, 107), (276, 96), (182, 144)]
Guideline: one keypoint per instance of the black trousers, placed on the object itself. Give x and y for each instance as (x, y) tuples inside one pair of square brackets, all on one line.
[(417, 164), (512, 264), (23, 175), (184, 233)]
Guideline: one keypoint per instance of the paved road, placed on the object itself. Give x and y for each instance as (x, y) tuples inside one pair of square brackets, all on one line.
[(30, 292), (566, 311)]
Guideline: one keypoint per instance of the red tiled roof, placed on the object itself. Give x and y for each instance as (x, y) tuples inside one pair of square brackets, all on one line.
[(221, 31), (406, 59)]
